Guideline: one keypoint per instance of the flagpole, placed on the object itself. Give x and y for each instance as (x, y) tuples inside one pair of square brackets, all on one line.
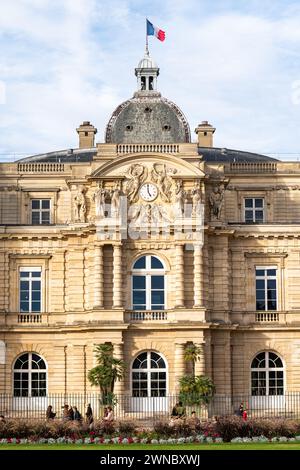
[(147, 49)]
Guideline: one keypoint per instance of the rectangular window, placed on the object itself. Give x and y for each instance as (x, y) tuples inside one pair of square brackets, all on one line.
[(266, 288), (254, 210), (40, 211), (30, 289)]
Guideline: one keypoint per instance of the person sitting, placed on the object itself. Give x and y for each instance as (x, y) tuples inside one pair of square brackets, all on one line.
[(49, 413), (193, 421), (109, 416), (181, 410)]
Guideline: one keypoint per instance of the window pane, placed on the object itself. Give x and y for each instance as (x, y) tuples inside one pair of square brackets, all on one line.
[(271, 294), (260, 284), (35, 218), (139, 297), (260, 305), (271, 283), (139, 307), (248, 216), (24, 273), (35, 203), (24, 307), (157, 307), (140, 263), (260, 272), (272, 305), (36, 295), (248, 202), (157, 282), (36, 274), (260, 295), (45, 217), (36, 306), (157, 297), (259, 216), (271, 272), (36, 285), (139, 282), (24, 295), (46, 204), (156, 263), (258, 202), (24, 285)]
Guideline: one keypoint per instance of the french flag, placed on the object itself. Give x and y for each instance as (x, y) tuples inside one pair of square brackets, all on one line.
[(154, 31)]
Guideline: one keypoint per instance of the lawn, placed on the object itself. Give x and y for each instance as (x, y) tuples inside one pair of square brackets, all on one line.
[(121, 447)]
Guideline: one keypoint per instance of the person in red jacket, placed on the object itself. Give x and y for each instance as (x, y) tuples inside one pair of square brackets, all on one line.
[(245, 415)]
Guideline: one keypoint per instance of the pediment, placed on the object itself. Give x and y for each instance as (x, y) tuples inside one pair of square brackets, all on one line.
[(119, 167)]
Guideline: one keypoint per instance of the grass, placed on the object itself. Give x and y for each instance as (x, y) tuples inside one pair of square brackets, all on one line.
[(121, 447)]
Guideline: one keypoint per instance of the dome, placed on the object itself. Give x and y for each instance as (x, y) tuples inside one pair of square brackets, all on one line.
[(147, 118), (147, 63)]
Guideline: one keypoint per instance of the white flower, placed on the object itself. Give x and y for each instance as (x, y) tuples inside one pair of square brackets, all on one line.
[(297, 438), (283, 439), (218, 440), (125, 440), (144, 441), (106, 441), (291, 439), (274, 439), (51, 441), (154, 441)]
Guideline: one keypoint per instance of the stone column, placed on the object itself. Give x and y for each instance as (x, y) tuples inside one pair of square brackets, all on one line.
[(179, 364), (198, 276), (119, 354), (117, 276), (200, 364), (98, 277), (179, 284)]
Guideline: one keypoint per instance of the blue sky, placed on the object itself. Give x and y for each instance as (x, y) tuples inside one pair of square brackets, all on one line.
[(234, 63)]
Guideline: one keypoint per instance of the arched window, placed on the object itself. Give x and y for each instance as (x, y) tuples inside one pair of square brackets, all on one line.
[(267, 375), (149, 375), (148, 284), (30, 376)]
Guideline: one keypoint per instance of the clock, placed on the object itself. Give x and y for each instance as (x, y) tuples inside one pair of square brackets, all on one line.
[(148, 192)]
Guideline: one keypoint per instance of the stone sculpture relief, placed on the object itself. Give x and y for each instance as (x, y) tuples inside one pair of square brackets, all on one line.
[(99, 198), (115, 199), (136, 175), (79, 204), (196, 198), (180, 197), (216, 200), (161, 176)]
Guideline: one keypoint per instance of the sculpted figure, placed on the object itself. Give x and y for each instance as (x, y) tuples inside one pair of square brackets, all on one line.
[(160, 175), (196, 198), (115, 200), (79, 205), (100, 198), (180, 197), (135, 176), (216, 200)]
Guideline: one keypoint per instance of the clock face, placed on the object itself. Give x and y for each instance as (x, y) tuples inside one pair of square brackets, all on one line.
[(148, 192)]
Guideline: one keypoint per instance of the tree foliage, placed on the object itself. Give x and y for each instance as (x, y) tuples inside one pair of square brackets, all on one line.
[(107, 371)]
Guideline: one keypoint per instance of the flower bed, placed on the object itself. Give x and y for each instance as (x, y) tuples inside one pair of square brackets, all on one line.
[(227, 429)]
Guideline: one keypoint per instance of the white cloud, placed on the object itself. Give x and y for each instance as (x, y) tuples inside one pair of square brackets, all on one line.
[(66, 61)]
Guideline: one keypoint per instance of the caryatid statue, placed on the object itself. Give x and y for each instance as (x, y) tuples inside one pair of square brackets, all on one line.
[(196, 198), (79, 205), (115, 200), (100, 197), (216, 200)]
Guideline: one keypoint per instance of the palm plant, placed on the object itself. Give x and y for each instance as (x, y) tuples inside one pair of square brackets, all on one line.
[(107, 371), (192, 353)]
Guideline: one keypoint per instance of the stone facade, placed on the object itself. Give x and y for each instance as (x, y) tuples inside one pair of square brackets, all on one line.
[(86, 257)]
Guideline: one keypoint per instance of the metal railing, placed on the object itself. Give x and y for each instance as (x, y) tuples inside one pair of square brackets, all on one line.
[(145, 410)]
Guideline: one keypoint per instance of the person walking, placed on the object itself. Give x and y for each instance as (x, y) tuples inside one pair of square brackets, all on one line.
[(89, 415)]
